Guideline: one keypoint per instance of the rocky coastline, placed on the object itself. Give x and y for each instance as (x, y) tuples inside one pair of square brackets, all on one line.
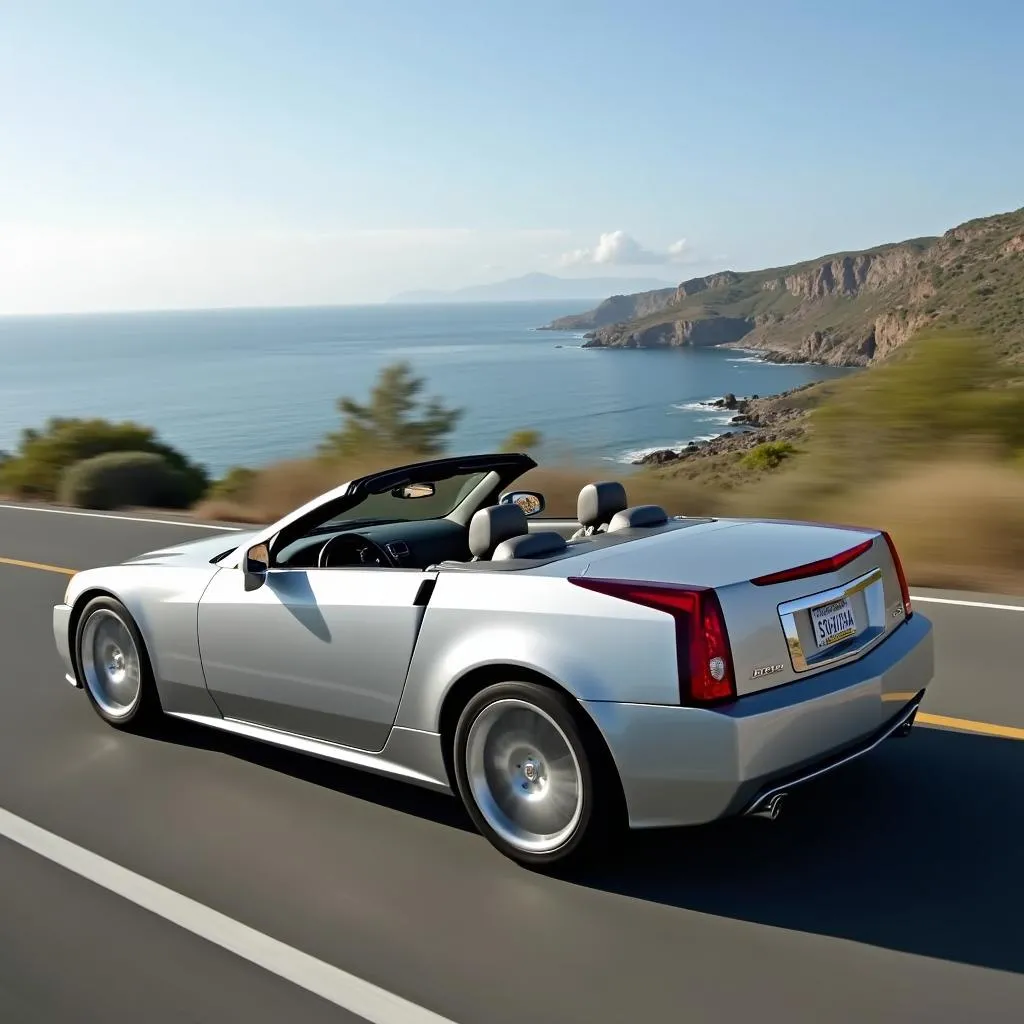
[(756, 421)]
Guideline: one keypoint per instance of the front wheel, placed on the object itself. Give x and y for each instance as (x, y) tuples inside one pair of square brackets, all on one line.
[(527, 778), (113, 665)]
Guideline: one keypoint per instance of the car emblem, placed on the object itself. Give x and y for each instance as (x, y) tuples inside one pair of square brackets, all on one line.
[(765, 670)]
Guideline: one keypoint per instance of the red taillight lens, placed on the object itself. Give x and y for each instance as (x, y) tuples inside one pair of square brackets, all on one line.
[(904, 589), (702, 641), (823, 565)]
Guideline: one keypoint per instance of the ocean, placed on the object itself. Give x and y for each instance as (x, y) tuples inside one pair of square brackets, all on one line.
[(246, 387)]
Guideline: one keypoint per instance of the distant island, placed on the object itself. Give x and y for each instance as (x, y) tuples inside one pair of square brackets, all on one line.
[(537, 288), (845, 309)]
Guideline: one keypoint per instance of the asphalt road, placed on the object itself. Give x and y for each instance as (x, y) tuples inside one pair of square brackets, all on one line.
[(890, 891)]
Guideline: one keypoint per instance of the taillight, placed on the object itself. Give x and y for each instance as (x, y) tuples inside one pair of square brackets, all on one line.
[(904, 589), (822, 565), (703, 654)]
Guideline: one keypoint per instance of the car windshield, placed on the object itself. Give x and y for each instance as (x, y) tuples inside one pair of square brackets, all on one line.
[(413, 502)]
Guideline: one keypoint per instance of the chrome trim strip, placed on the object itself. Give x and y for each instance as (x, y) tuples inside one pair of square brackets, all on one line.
[(70, 679), (317, 748), (872, 587), (784, 787)]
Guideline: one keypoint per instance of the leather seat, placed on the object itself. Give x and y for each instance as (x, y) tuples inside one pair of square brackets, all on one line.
[(596, 505), (639, 516), (492, 525)]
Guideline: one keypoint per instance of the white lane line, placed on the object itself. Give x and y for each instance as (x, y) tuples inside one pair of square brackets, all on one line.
[(968, 604), (331, 983), (127, 519)]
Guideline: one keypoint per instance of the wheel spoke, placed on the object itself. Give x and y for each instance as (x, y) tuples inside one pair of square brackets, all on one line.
[(111, 665), (524, 775)]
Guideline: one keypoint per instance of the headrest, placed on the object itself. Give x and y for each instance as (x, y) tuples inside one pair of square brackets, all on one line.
[(490, 526), (598, 502), (530, 545), (638, 515)]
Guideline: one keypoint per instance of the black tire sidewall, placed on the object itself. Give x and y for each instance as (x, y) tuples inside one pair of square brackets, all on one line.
[(551, 702), (148, 704)]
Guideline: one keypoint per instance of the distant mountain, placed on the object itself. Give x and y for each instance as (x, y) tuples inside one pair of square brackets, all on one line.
[(538, 288)]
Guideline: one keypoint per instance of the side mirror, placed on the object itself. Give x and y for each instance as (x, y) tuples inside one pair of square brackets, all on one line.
[(414, 491), (530, 502), (255, 565)]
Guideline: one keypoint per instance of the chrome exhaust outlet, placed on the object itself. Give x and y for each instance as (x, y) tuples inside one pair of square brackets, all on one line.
[(771, 808)]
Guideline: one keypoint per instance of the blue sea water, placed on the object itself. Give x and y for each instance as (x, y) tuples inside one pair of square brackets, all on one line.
[(249, 386)]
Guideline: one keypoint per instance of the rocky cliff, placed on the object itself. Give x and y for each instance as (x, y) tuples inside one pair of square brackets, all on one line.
[(847, 309)]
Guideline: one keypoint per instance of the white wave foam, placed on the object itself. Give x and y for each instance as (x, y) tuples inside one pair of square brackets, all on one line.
[(706, 403)]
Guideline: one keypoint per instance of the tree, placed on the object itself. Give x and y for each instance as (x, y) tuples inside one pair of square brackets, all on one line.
[(387, 421)]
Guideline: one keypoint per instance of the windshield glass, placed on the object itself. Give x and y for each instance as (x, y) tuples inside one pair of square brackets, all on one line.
[(408, 504)]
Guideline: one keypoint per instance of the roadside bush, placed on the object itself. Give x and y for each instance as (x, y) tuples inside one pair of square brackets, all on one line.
[(234, 485), (123, 479), (36, 468), (767, 455), (522, 441)]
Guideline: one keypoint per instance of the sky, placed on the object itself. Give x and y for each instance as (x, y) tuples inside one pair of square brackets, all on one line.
[(207, 153)]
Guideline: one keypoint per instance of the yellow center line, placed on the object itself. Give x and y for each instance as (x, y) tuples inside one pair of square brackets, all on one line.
[(1008, 732), (41, 566), (924, 718)]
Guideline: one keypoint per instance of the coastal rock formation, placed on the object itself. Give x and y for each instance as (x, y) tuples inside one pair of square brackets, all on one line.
[(846, 309), (720, 330)]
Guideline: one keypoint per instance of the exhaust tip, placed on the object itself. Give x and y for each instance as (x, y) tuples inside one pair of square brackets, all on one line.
[(771, 808)]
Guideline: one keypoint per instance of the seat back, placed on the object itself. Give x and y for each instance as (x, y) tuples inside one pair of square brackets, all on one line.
[(638, 516), (492, 525), (596, 505)]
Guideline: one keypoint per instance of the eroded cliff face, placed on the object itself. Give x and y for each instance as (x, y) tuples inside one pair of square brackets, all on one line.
[(722, 330), (845, 310), (617, 309)]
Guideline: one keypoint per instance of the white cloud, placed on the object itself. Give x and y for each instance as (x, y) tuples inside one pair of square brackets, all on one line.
[(617, 248)]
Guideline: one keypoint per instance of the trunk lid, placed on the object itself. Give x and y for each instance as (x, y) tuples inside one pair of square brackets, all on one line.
[(780, 628)]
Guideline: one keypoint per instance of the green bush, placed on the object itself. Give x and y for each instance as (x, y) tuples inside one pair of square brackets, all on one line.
[(768, 455), (522, 440), (36, 468), (122, 479)]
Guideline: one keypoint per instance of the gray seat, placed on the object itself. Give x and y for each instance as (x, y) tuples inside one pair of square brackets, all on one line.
[(542, 544), (596, 505), (638, 516), (490, 526)]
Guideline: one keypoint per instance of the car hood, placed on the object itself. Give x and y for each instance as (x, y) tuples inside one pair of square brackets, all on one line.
[(194, 552)]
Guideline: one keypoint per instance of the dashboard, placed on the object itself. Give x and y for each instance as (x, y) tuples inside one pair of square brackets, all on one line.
[(406, 545)]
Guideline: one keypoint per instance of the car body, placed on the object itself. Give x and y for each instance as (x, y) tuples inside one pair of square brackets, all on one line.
[(563, 677)]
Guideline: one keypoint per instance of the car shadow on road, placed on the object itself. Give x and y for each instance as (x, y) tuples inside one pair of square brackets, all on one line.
[(353, 782), (918, 847)]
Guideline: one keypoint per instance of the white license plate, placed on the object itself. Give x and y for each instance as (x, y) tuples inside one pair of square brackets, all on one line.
[(833, 622)]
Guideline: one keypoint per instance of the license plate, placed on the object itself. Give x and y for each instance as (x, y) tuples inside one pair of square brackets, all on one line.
[(833, 622)]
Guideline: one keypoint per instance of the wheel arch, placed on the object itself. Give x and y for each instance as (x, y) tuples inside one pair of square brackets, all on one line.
[(467, 686)]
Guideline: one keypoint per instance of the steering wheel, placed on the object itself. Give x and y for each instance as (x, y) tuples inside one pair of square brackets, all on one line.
[(367, 552)]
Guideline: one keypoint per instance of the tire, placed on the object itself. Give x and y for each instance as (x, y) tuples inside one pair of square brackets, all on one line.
[(515, 741), (114, 667)]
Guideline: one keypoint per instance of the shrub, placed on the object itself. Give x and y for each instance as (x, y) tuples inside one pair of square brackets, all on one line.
[(235, 485), (521, 441), (36, 468), (122, 479), (767, 455)]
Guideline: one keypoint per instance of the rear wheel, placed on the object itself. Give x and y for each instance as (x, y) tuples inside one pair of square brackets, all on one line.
[(527, 777), (113, 665)]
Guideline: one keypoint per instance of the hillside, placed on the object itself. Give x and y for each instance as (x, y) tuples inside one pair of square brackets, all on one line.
[(848, 309), (535, 288)]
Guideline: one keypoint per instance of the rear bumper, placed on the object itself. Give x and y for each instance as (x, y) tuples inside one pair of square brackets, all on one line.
[(61, 624), (687, 766)]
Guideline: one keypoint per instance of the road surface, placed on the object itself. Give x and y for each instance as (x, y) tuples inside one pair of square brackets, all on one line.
[(890, 891)]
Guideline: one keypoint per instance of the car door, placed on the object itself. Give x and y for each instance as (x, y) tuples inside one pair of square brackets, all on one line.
[(316, 652)]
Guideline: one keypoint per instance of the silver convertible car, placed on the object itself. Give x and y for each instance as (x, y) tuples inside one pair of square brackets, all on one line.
[(566, 679)]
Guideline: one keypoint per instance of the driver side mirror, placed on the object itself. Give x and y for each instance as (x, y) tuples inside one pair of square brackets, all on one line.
[(255, 565), (531, 502)]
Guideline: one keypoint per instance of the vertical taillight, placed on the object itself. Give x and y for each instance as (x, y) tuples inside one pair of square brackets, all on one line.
[(703, 654), (904, 589)]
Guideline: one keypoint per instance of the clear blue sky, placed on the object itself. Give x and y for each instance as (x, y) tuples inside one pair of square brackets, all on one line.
[(158, 154)]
